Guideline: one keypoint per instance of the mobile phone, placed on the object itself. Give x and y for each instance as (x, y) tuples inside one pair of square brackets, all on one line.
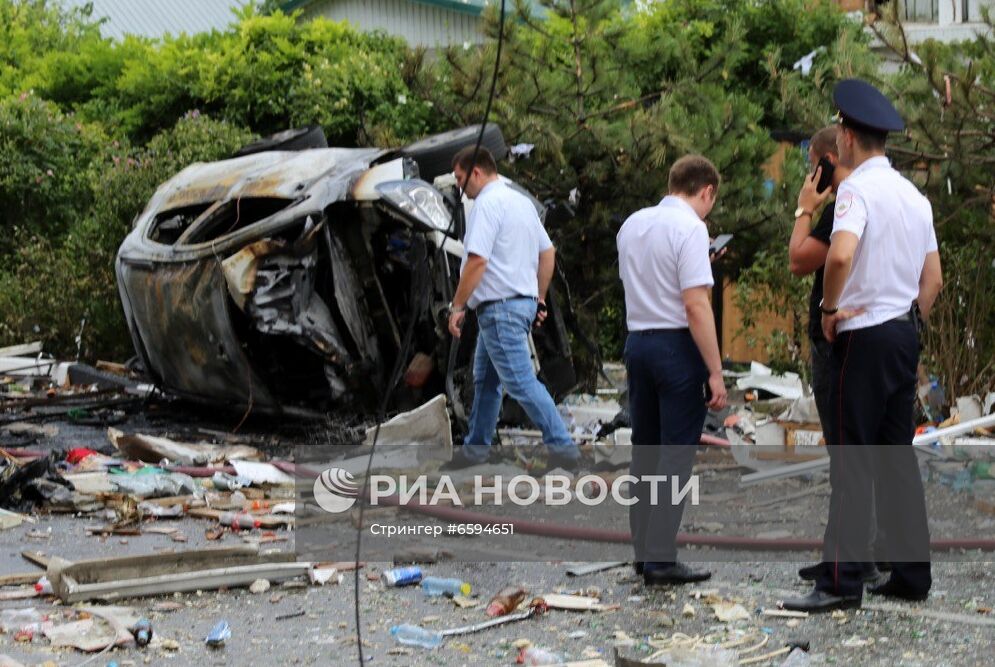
[(720, 242), (707, 391), (826, 176)]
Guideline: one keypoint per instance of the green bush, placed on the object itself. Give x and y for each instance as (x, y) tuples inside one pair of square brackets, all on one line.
[(266, 72), (45, 162), (53, 287)]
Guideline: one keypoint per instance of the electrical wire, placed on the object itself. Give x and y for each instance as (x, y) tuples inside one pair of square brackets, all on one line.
[(405, 348)]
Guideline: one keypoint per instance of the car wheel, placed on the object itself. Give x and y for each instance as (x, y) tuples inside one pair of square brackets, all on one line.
[(434, 154), (297, 139)]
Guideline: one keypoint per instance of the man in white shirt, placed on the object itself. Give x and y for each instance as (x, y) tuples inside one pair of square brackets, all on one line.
[(671, 355), (507, 267), (882, 263)]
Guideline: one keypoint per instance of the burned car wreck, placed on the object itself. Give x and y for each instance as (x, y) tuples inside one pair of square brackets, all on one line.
[(297, 281)]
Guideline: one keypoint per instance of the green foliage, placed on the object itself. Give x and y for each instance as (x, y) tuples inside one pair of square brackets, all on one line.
[(53, 284), (960, 339), (45, 159), (29, 29), (267, 72), (612, 99)]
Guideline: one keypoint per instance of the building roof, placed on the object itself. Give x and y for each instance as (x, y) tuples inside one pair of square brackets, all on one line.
[(155, 18), (475, 7)]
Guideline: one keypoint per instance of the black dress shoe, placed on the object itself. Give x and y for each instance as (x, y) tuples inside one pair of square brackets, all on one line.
[(819, 602), (638, 566), (678, 573), (871, 574), (891, 589), (812, 572)]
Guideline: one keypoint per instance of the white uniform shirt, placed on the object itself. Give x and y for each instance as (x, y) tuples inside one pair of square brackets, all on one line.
[(894, 223), (662, 251), (504, 228)]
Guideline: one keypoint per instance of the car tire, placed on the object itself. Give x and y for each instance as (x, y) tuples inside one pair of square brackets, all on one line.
[(297, 139), (434, 154)]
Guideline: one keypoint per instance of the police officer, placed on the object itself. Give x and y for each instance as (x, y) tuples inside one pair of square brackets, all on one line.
[(882, 261), (807, 251), (670, 353)]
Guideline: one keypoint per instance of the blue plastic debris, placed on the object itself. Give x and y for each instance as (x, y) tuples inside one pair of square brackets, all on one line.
[(218, 635)]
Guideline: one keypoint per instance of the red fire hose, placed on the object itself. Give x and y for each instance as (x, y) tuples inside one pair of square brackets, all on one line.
[(569, 532)]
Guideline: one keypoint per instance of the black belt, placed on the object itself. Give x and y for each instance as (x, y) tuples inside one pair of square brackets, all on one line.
[(904, 317), (484, 304), (650, 332)]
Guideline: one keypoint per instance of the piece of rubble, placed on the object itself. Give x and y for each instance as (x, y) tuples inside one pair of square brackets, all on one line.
[(727, 612)]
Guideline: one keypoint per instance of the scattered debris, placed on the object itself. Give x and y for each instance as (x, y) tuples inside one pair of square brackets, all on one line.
[(153, 449), (205, 569), (218, 635)]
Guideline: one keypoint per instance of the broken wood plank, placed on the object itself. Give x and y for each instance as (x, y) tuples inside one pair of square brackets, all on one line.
[(36, 557), (10, 519), (25, 593), (22, 579), (575, 603), (264, 520), (915, 612), (21, 350), (784, 613), (580, 569)]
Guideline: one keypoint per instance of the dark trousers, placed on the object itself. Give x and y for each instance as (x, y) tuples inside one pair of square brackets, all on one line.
[(822, 381), (667, 411), (872, 393)]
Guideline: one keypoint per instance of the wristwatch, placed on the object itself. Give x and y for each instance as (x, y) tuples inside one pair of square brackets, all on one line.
[(799, 212), (827, 311), (455, 309)]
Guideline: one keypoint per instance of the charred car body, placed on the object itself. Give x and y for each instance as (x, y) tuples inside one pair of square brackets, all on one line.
[(285, 281)]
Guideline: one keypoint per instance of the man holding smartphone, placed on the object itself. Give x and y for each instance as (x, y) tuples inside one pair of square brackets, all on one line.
[(807, 252), (670, 353)]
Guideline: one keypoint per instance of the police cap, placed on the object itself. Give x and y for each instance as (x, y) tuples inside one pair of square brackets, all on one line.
[(863, 105)]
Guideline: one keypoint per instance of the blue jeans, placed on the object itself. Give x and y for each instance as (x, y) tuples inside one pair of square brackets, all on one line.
[(502, 359)]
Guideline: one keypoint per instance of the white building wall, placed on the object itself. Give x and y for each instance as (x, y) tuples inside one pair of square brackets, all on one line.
[(419, 24)]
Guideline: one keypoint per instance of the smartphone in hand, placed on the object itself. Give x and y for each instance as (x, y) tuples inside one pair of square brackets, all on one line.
[(825, 176), (720, 242)]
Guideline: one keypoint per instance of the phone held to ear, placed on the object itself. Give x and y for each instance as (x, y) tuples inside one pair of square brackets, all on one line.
[(720, 242), (826, 176)]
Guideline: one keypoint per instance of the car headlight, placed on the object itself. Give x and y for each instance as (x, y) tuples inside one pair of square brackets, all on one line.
[(418, 200)]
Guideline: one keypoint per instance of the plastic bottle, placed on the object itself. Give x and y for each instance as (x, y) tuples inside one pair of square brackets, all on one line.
[(436, 586), (401, 576), (506, 600), (44, 586), (412, 635), (239, 520), (534, 655), (14, 619), (142, 631)]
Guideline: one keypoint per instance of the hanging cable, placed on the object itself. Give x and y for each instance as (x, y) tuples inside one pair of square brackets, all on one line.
[(418, 292)]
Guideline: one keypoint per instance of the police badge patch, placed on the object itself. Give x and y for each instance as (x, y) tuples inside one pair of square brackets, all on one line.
[(843, 204)]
